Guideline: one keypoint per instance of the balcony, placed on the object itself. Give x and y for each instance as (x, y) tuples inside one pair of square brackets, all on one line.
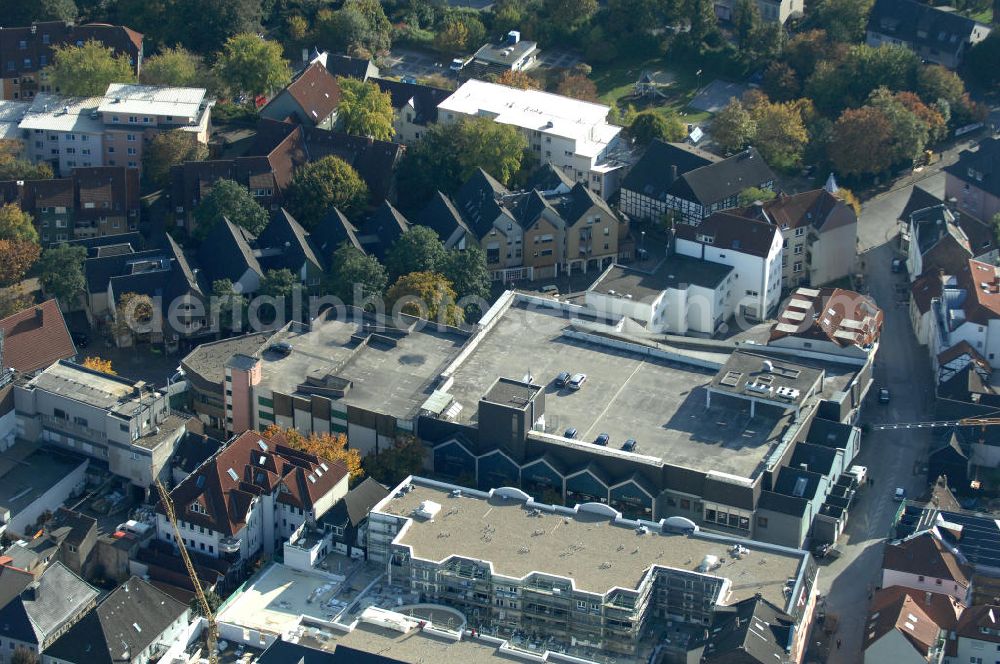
[(229, 545), (76, 430)]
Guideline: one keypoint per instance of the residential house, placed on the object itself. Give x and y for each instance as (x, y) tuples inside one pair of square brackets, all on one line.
[(34, 338), (285, 245), (227, 252), (683, 296), (832, 323), (974, 180), (937, 34), (26, 51), (937, 242), (924, 562), (415, 107), (75, 534), (978, 635), (348, 520), (818, 230), (30, 340), (110, 130), (968, 310), (250, 496), (348, 66), (753, 248), (92, 202), (509, 54), (981, 237), (950, 461), (751, 631), (771, 11), (310, 99), (381, 229), (11, 114), (573, 135), (135, 624), (899, 630), (119, 422), (688, 182), (278, 149), (36, 612), (530, 234)]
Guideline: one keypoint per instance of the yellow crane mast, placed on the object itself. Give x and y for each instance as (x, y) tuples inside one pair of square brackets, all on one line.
[(213, 630)]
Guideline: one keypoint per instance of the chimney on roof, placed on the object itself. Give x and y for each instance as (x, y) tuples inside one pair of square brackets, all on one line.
[(673, 173), (39, 314), (927, 597)]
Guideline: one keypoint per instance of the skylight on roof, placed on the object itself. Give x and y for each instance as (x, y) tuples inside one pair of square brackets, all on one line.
[(262, 460), (262, 445), (232, 474), (324, 466), (319, 473), (312, 478), (137, 628)]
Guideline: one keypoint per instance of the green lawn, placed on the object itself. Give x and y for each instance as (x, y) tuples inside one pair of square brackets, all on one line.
[(615, 82)]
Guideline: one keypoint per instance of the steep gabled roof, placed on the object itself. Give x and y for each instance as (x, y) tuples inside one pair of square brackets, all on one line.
[(925, 288), (334, 230), (316, 91), (982, 286), (441, 215), (252, 465), (478, 200), (44, 607), (655, 172), (980, 168), (35, 337), (382, 229), (129, 620), (286, 236), (753, 630), (424, 98), (920, 24), (817, 208), (901, 613), (924, 554), (578, 202), (980, 623), (226, 252)]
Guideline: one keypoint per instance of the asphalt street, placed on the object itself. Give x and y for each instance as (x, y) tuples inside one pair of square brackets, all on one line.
[(893, 458)]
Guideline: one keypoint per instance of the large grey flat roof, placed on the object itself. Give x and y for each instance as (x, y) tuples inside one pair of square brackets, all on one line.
[(592, 551), (675, 272), (394, 380), (93, 388), (659, 403), (27, 480)]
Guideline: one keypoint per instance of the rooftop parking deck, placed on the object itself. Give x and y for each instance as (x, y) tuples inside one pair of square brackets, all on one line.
[(661, 404)]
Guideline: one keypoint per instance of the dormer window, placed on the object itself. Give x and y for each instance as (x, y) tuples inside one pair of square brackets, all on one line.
[(197, 508)]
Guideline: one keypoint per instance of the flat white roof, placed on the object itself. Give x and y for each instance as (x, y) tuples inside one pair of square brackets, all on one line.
[(11, 114), (548, 113), (152, 100), (55, 113)]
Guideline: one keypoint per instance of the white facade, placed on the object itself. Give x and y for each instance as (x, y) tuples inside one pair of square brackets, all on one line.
[(976, 651), (683, 309), (757, 284), (267, 523), (891, 577), (895, 648), (573, 135)]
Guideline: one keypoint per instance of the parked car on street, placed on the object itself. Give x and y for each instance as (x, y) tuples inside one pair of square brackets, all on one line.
[(602, 439), (577, 380), (900, 494), (562, 379), (630, 445), (570, 433), (883, 395)]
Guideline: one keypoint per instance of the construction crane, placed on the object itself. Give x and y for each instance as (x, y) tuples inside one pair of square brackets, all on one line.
[(939, 424), (213, 630)]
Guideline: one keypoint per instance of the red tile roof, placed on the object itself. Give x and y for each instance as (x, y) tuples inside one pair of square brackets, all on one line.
[(925, 288), (316, 91), (830, 314), (925, 554), (943, 609), (902, 613), (981, 623), (982, 285), (35, 338), (250, 466), (818, 208)]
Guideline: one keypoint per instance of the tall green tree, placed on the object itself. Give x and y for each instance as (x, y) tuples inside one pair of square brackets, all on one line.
[(843, 20), (175, 67), (88, 69), (650, 125), (365, 110), (392, 466), (279, 283), (359, 27), (733, 128), (449, 154), (467, 272), (418, 250), (61, 272), (229, 304), (355, 273), (16, 224), (981, 60), (231, 200), (251, 65), (862, 142), (13, 167), (16, 13), (168, 149), (909, 132), (780, 135), (201, 25), (320, 185), (427, 295)]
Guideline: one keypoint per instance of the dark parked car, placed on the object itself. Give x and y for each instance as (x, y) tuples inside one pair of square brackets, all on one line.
[(570, 433), (602, 439), (898, 265), (80, 339), (630, 445), (281, 348), (562, 379), (883, 395)]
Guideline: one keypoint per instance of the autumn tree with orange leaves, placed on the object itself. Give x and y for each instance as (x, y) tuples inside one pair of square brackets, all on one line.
[(329, 446), (99, 364)]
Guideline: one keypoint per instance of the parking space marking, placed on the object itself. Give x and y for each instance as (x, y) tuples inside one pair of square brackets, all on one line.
[(611, 401)]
